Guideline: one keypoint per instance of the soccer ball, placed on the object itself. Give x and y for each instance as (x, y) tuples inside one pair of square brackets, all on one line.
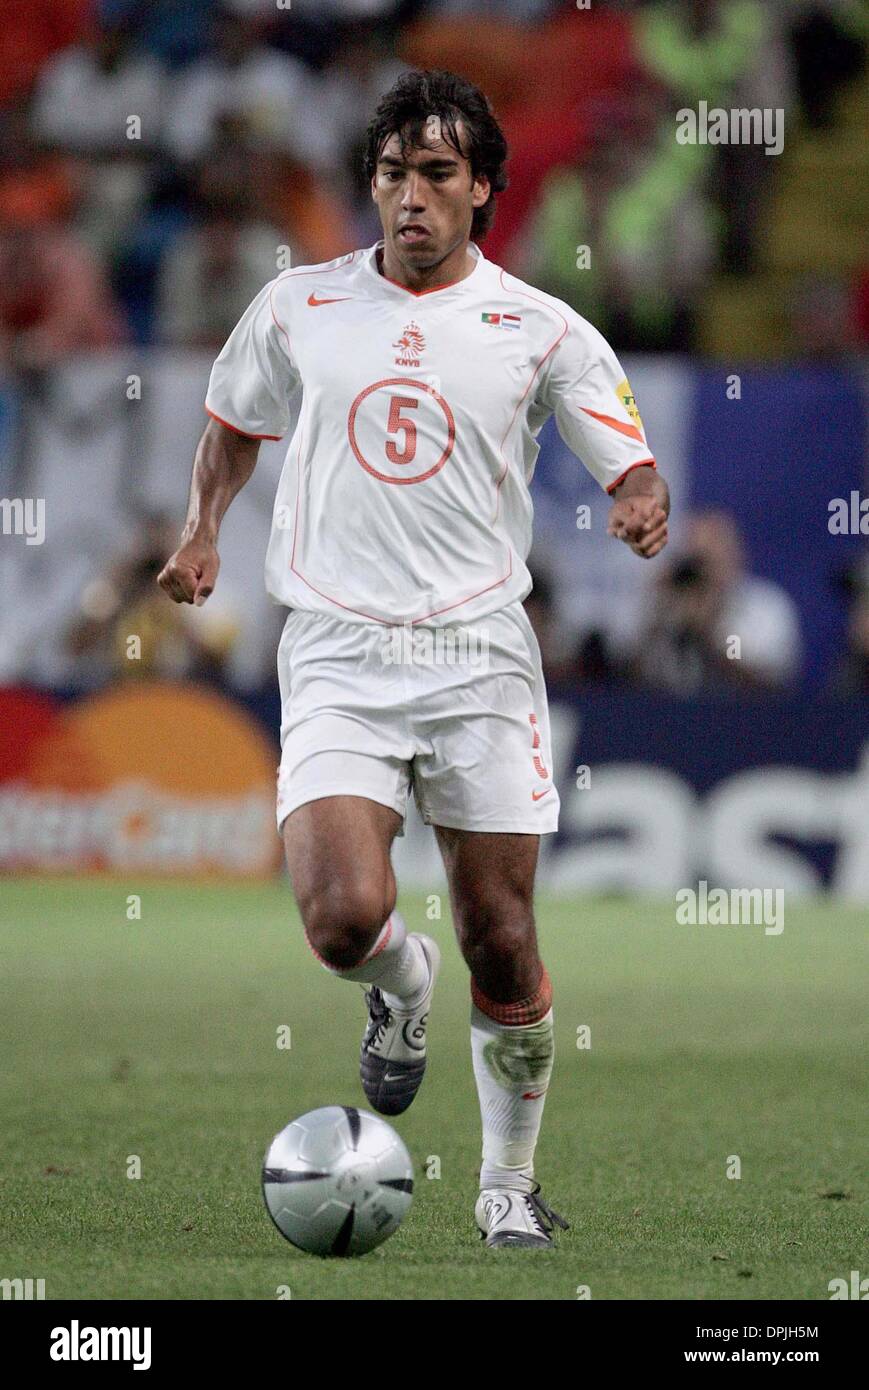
[(337, 1181)]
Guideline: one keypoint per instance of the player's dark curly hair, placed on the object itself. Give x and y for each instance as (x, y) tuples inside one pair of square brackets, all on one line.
[(416, 96)]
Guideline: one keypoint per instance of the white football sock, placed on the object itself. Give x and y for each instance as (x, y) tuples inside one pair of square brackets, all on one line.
[(396, 963), (512, 1067)]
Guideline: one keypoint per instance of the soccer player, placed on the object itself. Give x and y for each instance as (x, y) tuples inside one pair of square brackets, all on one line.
[(403, 510)]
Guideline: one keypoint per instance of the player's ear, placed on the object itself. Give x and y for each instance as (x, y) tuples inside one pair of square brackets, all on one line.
[(482, 190)]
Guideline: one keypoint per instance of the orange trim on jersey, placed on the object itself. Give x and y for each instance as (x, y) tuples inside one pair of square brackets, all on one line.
[(390, 622), (245, 434), (630, 430), (417, 294), (497, 584), (643, 463), (546, 355)]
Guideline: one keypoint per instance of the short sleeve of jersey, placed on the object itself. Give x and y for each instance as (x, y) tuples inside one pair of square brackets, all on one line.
[(254, 377), (595, 411)]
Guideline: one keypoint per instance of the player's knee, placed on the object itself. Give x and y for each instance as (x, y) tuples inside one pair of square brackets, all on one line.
[(342, 920), (494, 915), (496, 929)]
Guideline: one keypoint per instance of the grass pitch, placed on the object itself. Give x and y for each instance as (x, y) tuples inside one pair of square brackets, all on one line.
[(157, 1038)]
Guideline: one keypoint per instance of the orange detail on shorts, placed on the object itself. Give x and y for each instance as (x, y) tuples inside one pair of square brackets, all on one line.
[(539, 765), (523, 1011)]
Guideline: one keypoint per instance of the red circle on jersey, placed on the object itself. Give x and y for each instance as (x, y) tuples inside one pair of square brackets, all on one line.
[(405, 425)]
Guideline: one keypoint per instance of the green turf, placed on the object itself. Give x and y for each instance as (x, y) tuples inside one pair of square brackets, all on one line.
[(157, 1038)]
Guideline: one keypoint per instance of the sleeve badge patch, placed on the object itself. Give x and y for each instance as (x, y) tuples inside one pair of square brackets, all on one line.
[(626, 396)]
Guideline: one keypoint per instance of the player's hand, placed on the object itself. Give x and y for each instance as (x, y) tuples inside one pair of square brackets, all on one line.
[(641, 523), (191, 573)]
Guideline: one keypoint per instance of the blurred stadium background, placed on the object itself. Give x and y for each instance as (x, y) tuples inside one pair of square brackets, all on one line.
[(160, 161)]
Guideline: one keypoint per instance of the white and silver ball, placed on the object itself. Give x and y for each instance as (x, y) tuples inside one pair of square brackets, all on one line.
[(337, 1181)]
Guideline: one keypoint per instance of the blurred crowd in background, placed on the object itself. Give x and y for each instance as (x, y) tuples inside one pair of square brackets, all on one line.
[(160, 160), (249, 121)]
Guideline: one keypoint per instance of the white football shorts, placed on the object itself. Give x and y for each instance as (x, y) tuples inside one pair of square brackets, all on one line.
[(459, 713)]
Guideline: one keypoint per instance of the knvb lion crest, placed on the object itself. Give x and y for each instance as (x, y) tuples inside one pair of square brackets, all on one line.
[(410, 346)]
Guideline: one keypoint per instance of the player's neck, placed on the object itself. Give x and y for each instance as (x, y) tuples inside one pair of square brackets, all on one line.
[(458, 265)]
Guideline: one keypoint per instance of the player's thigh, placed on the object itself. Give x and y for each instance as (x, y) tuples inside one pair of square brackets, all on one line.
[(491, 880), (338, 858)]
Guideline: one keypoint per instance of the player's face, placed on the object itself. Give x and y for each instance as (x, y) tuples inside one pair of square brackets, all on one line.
[(426, 198)]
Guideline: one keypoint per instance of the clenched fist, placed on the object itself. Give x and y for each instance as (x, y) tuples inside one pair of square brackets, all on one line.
[(190, 574), (641, 522)]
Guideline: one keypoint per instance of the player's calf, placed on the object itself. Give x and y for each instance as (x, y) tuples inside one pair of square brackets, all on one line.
[(499, 946)]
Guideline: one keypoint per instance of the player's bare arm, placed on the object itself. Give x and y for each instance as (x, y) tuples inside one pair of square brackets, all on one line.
[(639, 512), (223, 463)]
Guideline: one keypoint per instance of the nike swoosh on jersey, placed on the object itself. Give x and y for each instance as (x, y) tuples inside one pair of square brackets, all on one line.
[(535, 796), (315, 302)]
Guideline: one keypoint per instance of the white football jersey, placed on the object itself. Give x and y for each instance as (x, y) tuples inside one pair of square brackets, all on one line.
[(404, 496)]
